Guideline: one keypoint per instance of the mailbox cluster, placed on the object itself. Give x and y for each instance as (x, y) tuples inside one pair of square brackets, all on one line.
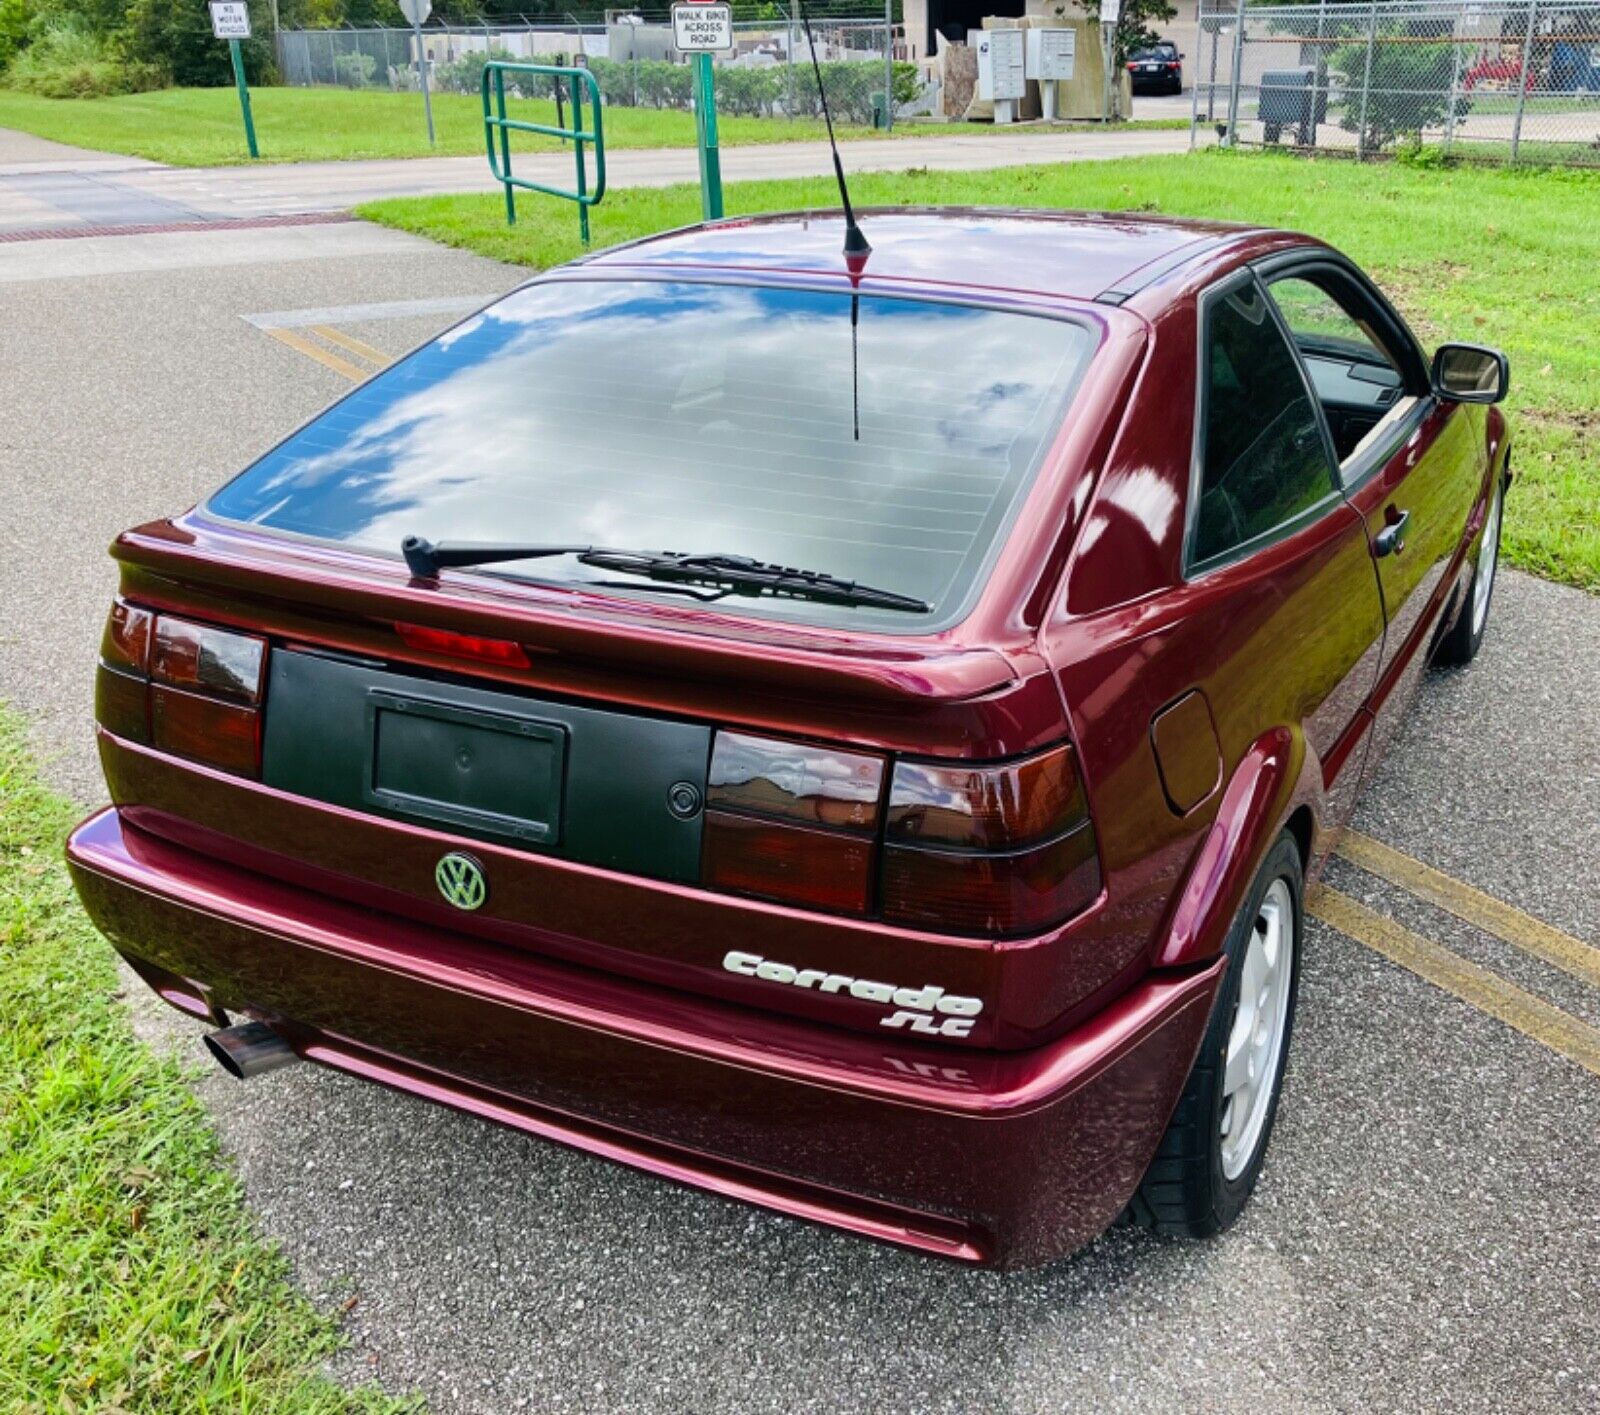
[(1008, 58)]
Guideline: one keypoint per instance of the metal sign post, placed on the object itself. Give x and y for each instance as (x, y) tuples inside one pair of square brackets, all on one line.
[(416, 11), (1110, 17), (888, 66), (230, 20), (702, 30)]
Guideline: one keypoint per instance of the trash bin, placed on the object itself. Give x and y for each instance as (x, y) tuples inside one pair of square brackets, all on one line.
[(1293, 98), (880, 109)]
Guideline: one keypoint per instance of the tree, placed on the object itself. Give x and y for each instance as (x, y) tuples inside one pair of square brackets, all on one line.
[(176, 34), (1135, 25)]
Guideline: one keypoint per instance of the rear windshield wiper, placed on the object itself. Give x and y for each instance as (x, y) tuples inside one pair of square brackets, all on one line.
[(733, 574), (425, 559)]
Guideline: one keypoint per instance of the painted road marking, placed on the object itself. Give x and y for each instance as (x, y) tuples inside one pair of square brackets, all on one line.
[(1473, 906), (300, 344), (1488, 992), (348, 342)]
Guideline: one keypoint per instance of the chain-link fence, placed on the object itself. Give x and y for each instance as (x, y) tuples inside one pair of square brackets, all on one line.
[(769, 73), (1498, 80)]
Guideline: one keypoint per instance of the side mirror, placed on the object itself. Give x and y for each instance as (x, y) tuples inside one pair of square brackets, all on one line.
[(1470, 373)]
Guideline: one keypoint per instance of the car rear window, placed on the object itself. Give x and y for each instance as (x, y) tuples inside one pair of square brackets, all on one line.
[(880, 439)]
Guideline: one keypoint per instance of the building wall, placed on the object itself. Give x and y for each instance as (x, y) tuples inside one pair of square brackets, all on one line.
[(924, 19)]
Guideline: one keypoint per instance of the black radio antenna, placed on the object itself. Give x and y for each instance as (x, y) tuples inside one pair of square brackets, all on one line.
[(855, 244)]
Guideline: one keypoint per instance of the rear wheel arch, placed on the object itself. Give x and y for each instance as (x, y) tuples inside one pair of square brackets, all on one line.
[(1301, 825), (1268, 792)]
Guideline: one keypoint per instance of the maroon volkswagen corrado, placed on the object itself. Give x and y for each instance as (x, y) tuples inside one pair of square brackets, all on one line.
[(850, 736)]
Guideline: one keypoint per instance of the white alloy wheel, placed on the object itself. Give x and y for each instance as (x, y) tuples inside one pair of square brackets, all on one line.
[(1488, 558), (1255, 1041)]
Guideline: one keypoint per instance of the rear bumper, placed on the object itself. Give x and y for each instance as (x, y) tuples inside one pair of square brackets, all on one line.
[(1001, 1158)]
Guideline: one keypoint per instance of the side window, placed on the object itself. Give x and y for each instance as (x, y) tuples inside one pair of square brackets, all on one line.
[(1264, 460), (1357, 381)]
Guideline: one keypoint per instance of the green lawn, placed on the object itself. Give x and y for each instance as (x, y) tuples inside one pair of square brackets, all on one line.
[(1492, 256), (201, 127), (130, 1277)]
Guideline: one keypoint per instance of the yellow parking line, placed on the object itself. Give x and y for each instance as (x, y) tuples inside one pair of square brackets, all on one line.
[(1504, 921), (359, 347), (300, 344), (1532, 1016)]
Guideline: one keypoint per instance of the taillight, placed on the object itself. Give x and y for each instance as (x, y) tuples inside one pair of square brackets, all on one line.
[(793, 822), (1003, 849), (122, 686), (988, 850), (185, 688)]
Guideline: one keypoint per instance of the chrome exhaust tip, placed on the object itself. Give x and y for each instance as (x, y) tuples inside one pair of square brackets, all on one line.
[(249, 1049)]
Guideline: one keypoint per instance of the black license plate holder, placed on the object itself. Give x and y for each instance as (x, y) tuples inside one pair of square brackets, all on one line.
[(492, 772)]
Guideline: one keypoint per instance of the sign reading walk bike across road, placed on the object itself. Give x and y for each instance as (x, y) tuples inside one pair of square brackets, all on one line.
[(703, 30)]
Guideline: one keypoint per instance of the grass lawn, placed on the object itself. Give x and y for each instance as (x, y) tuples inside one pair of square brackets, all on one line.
[(130, 1278), (201, 127), (1502, 257)]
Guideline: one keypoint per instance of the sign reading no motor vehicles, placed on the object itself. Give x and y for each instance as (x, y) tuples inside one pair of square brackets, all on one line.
[(702, 29), (230, 19)]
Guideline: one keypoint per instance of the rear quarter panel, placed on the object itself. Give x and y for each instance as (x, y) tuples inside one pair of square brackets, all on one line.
[(1283, 644)]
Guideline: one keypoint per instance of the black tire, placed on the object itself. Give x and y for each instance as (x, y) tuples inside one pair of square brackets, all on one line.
[(1270, 132), (1460, 645), (1186, 1192)]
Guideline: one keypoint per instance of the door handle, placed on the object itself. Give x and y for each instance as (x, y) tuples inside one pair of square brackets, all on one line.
[(1391, 540)]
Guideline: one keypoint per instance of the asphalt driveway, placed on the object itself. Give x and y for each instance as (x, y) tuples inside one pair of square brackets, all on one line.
[(1427, 1233)]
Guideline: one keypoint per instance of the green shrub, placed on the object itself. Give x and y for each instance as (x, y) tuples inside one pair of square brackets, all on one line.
[(465, 75), (1407, 92), (16, 17), (67, 60), (176, 35), (355, 70)]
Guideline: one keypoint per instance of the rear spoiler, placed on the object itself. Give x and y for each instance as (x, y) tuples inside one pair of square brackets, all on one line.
[(947, 697)]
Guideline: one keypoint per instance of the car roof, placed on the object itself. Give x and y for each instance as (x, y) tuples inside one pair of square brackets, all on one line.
[(1066, 254)]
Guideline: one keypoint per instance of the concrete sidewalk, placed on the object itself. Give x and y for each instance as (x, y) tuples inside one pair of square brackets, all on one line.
[(66, 189)]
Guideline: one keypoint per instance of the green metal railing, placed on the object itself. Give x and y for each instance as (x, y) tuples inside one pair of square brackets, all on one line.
[(494, 119)]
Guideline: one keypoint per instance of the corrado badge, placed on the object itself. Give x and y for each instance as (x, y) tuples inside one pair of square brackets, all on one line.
[(929, 1010)]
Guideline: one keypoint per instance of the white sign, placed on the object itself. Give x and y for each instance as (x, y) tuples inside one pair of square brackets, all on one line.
[(1001, 72), (1052, 54), (416, 11), (230, 19), (702, 29), (1110, 11)]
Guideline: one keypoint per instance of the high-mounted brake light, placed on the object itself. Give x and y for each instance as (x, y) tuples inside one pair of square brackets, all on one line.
[(185, 688), (454, 645)]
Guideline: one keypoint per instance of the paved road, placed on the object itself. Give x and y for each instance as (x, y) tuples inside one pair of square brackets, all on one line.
[(1427, 1235), (66, 187)]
